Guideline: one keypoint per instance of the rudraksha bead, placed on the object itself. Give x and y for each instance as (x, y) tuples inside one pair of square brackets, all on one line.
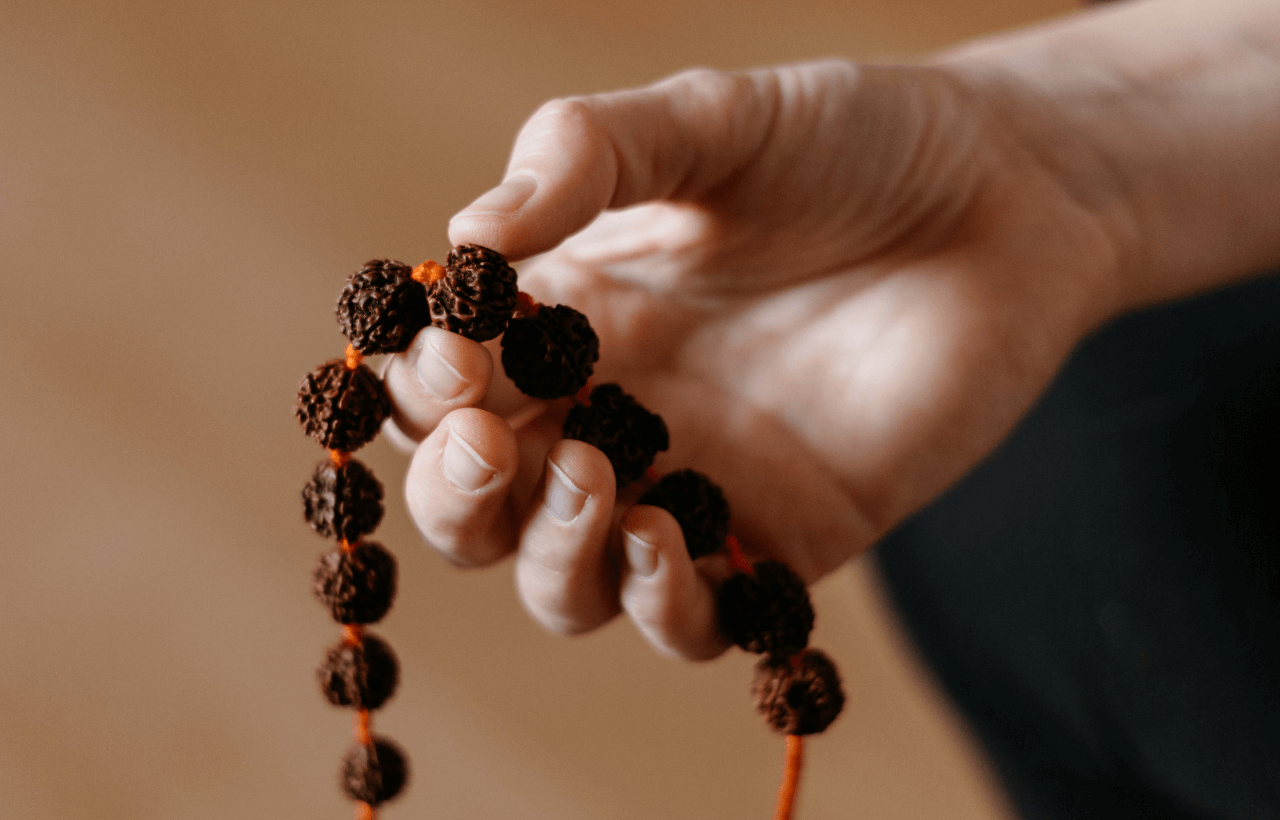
[(798, 697), (551, 353), (477, 294), (766, 611), (622, 428), (382, 307), (375, 773), (361, 675), (341, 407), (357, 585), (343, 502), (697, 504)]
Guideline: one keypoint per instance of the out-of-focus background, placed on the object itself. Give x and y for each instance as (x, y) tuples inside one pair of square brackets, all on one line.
[(184, 187)]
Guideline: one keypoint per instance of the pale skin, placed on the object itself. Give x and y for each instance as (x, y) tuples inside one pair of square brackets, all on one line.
[(840, 285)]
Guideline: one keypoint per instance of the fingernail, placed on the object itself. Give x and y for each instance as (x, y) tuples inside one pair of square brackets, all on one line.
[(564, 499), (463, 466), (505, 199), (436, 376), (641, 555)]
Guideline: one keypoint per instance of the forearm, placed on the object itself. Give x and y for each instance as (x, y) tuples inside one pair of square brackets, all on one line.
[(1163, 118)]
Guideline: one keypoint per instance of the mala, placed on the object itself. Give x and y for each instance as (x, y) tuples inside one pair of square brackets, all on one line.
[(549, 352)]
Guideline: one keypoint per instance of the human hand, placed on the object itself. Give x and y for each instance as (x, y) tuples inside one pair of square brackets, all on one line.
[(840, 286)]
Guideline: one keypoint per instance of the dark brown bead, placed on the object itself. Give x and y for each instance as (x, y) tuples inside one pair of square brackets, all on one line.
[(362, 675), (342, 408), (768, 611), (375, 773), (798, 697), (477, 294), (357, 586), (698, 505), (343, 503), (551, 353), (622, 428), (382, 308)]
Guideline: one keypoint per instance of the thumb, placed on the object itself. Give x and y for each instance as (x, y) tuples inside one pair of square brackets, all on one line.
[(677, 140)]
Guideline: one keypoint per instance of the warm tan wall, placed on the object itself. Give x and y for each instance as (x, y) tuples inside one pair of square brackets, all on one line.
[(183, 189)]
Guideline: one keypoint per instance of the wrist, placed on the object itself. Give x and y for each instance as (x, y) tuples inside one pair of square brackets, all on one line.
[(1159, 119)]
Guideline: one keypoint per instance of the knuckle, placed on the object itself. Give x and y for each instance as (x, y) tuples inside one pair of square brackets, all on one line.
[(555, 609), (560, 596), (460, 548), (660, 613), (577, 117), (452, 536), (728, 86)]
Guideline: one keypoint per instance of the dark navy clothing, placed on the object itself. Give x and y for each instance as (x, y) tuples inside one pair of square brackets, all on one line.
[(1101, 597)]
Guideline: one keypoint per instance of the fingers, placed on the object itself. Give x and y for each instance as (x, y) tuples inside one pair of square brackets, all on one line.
[(565, 575), (569, 572), (576, 157), (671, 603), (458, 484), (439, 373)]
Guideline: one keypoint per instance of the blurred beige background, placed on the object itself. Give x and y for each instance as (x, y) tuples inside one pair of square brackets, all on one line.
[(183, 189)]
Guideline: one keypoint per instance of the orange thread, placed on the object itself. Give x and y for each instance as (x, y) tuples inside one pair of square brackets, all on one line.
[(353, 634), (365, 812), (651, 474), (354, 357), (362, 728), (346, 545), (428, 272), (790, 778), (583, 396), (525, 304), (339, 457), (736, 557)]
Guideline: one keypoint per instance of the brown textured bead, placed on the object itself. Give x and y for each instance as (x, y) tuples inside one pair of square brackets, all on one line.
[(357, 586), (697, 504), (374, 773), (362, 675), (622, 428), (768, 611), (477, 294), (343, 502), (798, 697), (382, 308), (341, 408), (551, 353)]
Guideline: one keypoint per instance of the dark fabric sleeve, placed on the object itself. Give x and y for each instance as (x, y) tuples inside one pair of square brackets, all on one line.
[(1101, 597)]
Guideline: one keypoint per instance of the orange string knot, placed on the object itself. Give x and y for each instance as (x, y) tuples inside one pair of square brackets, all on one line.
[(651, 474), (353, 634), (339, 457), (526, 305), (736, 557), (354, 357), (428, 272), (583, 396), (365, 812)]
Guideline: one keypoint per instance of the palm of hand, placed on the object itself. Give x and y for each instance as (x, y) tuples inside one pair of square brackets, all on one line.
[(834, 382), (845, 288)]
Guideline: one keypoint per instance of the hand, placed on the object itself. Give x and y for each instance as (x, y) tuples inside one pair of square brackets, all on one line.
[(840, 286)]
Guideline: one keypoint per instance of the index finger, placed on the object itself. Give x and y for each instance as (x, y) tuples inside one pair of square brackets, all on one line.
[(576, 157)]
